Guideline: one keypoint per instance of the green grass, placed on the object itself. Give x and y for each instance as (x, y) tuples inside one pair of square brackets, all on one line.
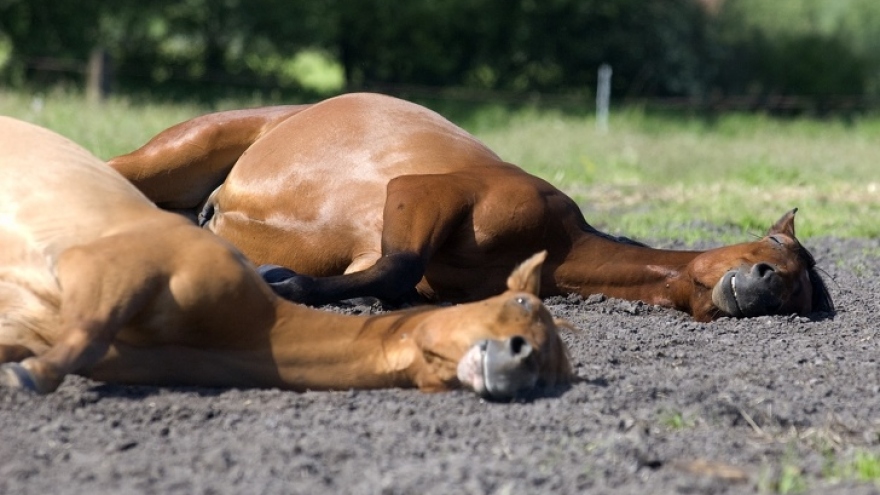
[(676, 420), (861, 465), (651, 176), (107, 129), (790, 480)]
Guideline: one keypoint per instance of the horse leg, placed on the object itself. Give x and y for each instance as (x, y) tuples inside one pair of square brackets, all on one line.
[(421, 211), (179, 167), (100, 293)]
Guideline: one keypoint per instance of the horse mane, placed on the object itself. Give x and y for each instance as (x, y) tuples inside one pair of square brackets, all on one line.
[(822, 301), (620, 239)]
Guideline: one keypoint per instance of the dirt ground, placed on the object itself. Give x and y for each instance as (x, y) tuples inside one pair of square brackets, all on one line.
[(664, 405)]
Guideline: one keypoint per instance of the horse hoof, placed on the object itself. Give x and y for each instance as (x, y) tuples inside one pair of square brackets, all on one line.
[(274, 273), (14, 375)]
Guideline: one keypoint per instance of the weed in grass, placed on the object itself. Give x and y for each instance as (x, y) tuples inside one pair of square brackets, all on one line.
[(785, 478), (866, 466), (791, 480), (862, 465), (675, 420)]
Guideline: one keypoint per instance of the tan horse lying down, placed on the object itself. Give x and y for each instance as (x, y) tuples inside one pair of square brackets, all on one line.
[(95, 280), (367, 195)]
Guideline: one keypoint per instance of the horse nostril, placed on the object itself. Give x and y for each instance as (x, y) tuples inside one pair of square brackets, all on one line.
[(763, 269), (519, 346)]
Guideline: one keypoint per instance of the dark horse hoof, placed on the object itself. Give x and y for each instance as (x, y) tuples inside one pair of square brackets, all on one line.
[(14, 375), (274, 273), (288, 284)]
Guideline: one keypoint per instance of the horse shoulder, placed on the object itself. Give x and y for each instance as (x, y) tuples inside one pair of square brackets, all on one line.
[(29, 294), (213, 292)]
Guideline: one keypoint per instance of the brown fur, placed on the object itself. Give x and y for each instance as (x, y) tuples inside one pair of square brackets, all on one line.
[(346, 185), (94, 279)]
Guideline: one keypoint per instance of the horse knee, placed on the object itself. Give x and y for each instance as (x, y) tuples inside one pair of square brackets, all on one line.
[(14, 353), (398, 274), (391, 279), (292, 286)]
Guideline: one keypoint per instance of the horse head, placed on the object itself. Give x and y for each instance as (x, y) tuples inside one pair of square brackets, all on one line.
[(772, 275), (500, 347)]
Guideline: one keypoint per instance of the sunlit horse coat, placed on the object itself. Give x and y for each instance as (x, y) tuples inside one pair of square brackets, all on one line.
[(94, 279), (367, 195)]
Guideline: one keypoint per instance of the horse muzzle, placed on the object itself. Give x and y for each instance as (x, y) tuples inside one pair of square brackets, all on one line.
[(754, 290), (499, 369)]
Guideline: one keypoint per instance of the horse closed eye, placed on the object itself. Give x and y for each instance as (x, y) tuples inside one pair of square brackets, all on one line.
[(780, 240), (525, 302)]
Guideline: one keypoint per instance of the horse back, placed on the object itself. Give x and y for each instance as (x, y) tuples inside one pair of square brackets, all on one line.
[(327, 169), (56, 194), (180, 166)]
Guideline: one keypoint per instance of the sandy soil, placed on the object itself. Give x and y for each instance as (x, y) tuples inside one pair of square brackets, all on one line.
[(665, 405)]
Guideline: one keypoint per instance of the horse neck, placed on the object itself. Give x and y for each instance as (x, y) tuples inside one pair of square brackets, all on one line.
[(601, 264), (320, 350)]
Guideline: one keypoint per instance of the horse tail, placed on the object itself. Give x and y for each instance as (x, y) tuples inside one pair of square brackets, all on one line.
[(209, 208)]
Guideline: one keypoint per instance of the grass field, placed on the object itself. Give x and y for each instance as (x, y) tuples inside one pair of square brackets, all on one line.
[(649, 176)]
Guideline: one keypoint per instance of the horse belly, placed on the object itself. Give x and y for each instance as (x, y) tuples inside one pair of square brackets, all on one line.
[(310, 227), (458, 284), (465, 269)]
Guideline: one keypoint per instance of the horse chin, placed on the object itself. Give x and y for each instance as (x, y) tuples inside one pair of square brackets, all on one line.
[(724, 295), (470, 370)]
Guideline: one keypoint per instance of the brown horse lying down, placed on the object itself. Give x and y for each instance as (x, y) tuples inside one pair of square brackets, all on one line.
[(94, 279), (367, 195)]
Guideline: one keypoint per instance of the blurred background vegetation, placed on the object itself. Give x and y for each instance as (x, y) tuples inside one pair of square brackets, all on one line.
[(726, 113), (825, 53)]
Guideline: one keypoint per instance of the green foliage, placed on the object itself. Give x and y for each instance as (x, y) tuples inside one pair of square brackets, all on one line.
[(281, 48), (823, 49)]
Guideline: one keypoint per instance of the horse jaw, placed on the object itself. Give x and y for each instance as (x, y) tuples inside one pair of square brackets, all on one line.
[(724, 295), (470, 370)]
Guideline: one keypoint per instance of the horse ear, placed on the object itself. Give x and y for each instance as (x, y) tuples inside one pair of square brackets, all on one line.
[(527, 276), (784, 225)]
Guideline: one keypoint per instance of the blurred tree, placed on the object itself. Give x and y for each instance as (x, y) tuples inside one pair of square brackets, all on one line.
[(54, 36), (807, 48), (656, 47), (524, 45)]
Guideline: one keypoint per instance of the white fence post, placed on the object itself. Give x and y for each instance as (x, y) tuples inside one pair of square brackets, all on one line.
[(603, 97), (98, 75)]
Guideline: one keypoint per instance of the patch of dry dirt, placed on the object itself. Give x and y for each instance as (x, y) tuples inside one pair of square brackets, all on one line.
[(665, 405)]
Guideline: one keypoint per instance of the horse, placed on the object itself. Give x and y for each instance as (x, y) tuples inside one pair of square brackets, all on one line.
[(366, 195), (98, 281)]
